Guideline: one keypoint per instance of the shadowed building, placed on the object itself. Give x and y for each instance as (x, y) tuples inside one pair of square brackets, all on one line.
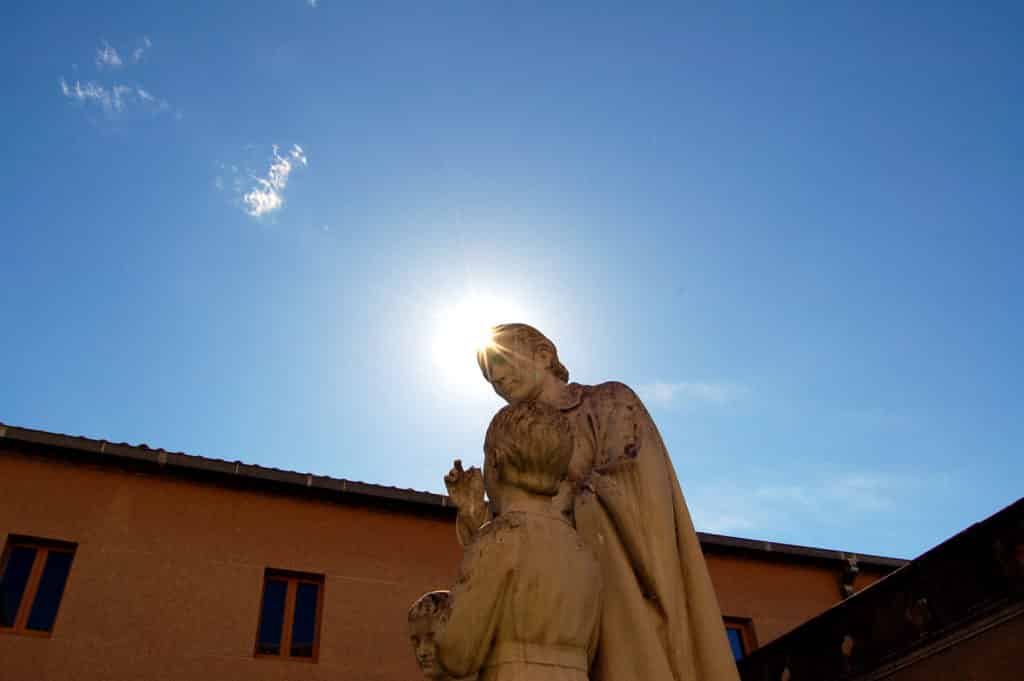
[(954, 614), (125, 562)]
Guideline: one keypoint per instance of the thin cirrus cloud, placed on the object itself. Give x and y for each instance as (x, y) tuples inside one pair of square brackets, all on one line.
[(267, 196), (107, 57), (139, 51), (826, 499), (691, 392), (114, 98)]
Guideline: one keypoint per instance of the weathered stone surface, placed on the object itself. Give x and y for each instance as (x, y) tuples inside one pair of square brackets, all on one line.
[(660, 617), (426, 620), (527, 602)]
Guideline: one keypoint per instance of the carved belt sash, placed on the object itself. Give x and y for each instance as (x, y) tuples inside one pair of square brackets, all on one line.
[(570, 657)]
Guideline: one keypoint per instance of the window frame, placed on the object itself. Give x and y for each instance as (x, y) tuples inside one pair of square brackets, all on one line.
[(292, 580), (745, 627), (43, 547)]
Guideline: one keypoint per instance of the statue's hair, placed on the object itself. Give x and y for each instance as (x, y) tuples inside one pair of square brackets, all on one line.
[(529, 338), (530, 444), (433, 605)]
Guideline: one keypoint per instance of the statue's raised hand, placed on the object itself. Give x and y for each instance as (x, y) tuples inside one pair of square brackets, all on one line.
[(466, 488)]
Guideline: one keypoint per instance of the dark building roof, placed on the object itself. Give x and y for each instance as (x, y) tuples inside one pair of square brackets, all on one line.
[(964, 587), (238, 473)]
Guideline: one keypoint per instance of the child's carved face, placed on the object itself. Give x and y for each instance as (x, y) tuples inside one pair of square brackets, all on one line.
[(421, 634)]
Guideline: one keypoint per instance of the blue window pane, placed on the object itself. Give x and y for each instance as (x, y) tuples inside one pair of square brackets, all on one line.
[(51, 588), (304, 626), (268, 641), (736, 643), (12, 584)]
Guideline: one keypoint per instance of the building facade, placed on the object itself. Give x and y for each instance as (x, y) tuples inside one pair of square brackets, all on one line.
[(125, 562)]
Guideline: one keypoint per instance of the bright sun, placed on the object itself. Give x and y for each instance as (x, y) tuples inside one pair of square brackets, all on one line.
[(465, 327)]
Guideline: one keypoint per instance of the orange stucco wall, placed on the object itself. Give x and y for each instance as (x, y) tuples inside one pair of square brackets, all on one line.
[(775, 595), (167, 577)]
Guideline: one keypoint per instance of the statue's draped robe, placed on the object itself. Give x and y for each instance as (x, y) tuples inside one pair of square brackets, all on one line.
[(527, 603), (660, 619)]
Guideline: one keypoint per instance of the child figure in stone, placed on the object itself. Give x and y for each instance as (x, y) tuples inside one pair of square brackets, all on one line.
[(426, 618), (527, 602)]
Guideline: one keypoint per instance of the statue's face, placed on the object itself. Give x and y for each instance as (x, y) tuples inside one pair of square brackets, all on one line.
[(514, 372), (421, 633)]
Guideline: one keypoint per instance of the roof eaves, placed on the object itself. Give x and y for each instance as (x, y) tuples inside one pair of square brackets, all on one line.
[(294, 480), (206, 465), (794, 550)]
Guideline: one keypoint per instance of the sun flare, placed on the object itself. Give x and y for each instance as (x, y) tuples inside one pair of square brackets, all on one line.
[(464, 328)]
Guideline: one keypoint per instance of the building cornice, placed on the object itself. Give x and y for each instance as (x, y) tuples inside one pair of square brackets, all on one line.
[(239, 473)]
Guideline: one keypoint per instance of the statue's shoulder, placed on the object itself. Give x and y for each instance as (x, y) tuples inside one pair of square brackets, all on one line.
[(495, 546), (611, 387), (612, 392), (501, 527)]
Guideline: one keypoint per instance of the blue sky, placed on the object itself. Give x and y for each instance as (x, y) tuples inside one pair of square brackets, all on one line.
[(796, 231)]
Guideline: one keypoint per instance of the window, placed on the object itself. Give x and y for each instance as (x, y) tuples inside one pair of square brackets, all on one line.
[(33, 573), (289, 624), (741, 637)]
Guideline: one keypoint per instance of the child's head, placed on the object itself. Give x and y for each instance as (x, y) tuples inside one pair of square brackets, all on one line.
[(529, 444), (425, 615)]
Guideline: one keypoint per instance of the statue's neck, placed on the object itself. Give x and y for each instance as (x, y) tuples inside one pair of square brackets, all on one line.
[(514, 499), (553, 391)]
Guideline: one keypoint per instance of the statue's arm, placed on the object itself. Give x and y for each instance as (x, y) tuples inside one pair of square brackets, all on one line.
[(477, 601), (466, 490), (469, 522), (633, 477)]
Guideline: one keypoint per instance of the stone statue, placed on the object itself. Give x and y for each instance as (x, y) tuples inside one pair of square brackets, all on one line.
[(660, 618), (527, 602), (426, 618)]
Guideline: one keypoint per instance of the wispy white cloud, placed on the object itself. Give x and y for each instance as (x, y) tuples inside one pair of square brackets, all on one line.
[(112, 97), (267, 196), (139, 51), (823, 501), (793, 495), (313, 3), (691, 392), (107, 57), (722, 522), (872, 491), (147, 98), (854, 491), (89, 91), (112, 100)]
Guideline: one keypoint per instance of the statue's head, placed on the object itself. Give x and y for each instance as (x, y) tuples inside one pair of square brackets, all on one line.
[(529, 445), (518, 361), (426, 615)]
